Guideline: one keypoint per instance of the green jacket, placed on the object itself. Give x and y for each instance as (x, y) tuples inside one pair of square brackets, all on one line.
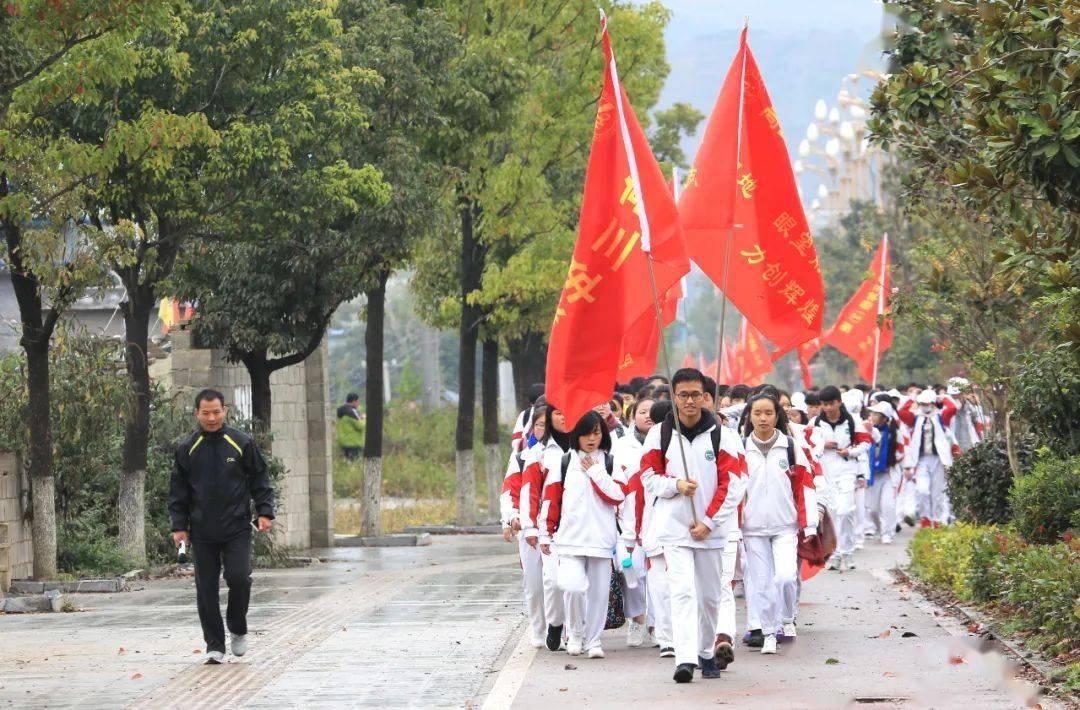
[(350, 430)]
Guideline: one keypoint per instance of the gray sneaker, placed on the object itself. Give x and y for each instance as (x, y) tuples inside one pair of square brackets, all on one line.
[(213, 658), (239, 644)]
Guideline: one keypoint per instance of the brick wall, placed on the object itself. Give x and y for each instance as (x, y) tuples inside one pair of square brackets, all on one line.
[(13, 490)]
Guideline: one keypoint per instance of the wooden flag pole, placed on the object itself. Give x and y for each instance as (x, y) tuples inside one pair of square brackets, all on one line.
[(646, 246), (731, 229)]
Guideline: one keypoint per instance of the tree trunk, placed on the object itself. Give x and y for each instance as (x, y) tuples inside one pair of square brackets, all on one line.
[(371, 500), (137, 310), (489, 407), (528, 356), (262, 395), (472, 264), (36, 337)]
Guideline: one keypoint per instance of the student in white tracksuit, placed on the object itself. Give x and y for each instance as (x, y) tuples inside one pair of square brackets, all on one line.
[(780, 501), (640, 505), (930, 453), (886, 453), (844, 441), (555, 442), (627, 452), (580, 519), (695, 502), (532, 568)]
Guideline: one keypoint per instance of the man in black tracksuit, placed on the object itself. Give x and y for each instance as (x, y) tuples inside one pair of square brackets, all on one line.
[(218, 473)]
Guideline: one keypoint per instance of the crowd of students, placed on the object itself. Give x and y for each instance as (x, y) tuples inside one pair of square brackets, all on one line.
[(676, 495)]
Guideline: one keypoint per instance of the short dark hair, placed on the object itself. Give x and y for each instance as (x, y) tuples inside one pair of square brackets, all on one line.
[(710, 386), (659, 411), (739, 391), (208, 395), (813, 398), (687, 374), (658, 377), (723, 390), (352, 397), (829, 393), (637, 383), (535, 390), (589, 423), (661, 392)]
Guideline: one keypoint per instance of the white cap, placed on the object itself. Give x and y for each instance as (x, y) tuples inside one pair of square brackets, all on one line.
[(895, 393), (853, 401), (885, 409), (798, 401), (927, 396)]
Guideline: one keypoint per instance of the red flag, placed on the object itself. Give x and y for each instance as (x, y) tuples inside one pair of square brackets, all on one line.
[(626, 211), (743, 178), (728, 365), (641, 344), (687, 361), (806, 352), (856, 332), (711, 369), (756, 362)]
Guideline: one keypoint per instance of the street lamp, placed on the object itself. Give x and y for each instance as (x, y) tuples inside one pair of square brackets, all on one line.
[(812, 132), (804, 148), (832, 147), (834, 115), (847, 131), (821, 110)]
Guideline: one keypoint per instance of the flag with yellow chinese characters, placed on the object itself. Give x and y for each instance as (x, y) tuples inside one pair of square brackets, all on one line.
[(642, 344), (746, 182), (855, 332), (627, 212), (753, 358)]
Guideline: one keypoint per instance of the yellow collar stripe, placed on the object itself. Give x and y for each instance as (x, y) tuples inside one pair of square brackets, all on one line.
[(234, 444), (195, 446)]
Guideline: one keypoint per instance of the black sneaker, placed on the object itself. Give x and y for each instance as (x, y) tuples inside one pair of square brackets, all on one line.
[(684, 673), (725, 652), (667, 652), (756, 640), (899, 527), (554, 637), (708, 666), (909, 521)]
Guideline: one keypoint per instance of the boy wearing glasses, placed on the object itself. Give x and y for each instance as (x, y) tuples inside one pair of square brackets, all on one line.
[(693, 516)]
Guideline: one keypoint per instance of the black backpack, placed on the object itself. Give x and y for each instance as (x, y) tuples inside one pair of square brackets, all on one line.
[(667, 429)]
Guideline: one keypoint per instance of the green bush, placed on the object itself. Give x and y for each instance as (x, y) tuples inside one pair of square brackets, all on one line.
[(980, 480), (1042, 594), (1048, 398), (941, 556), (988, 572), (1046, 502)]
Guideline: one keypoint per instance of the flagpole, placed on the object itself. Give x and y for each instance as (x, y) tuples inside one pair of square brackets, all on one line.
[(646, 246), (880, 307), (676, 192), (731, 229)]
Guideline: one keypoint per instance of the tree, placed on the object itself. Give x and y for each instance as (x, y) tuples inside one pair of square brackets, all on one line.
[(55, 58)]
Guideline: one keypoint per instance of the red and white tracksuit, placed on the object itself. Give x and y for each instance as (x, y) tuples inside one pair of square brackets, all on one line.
[(930, 453), (627, 453), (694, 566), (537, 470), (780, 500), (532, 567), (579, 520), (842, 474)]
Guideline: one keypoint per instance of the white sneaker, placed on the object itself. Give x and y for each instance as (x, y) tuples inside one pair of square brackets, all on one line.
[(849, 561), (844, 563), (886, 539), (769, 648), (859, 543), (650, 640), (595, 652), (789, 630), (834, 562), (213, 658), (539, 641), (635, 634), (239, 644), (573, 647)]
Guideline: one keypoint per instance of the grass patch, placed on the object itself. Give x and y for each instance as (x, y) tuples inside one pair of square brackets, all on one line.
[(347, 520)]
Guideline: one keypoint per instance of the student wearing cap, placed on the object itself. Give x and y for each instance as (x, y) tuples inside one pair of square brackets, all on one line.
[(930, 453), (886, 453), (967, 425)]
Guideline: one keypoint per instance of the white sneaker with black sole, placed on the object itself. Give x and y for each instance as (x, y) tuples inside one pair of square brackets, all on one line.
[(769, 647), (667, 652), (635, 634), (595, 652), (213, 658)]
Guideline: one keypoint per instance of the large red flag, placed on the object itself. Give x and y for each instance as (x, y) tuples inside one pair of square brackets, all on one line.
[(856, 332), (641, 344), (742, 178), (626, 213)]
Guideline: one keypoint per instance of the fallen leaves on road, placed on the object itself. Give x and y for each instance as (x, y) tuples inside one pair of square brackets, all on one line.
[(889, 674), (832, 661), (570, 667), (121, 650), (195, 650), (563, 690), (956, 660), (974, 627), (885, 634), (137, 676), (908, 634)]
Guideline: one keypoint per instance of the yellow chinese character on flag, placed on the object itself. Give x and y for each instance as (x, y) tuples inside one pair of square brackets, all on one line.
[(809, 311), (792, 292), (628, 195), (614, 235), (773, 274), (580, 284), (845, 327), (753, 256), (773, 120), (691, 179), (784, 223), (747, 184)]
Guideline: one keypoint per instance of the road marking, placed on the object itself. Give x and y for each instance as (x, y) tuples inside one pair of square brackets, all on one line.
[(510, 678)]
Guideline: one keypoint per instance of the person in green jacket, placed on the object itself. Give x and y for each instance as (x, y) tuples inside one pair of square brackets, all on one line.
[(350, 428)]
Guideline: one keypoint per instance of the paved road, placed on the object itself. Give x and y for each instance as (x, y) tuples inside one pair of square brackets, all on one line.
[(858, 618), (442, 627)]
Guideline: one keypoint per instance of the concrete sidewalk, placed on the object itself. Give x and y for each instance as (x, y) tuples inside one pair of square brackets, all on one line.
[(859, 619), (394, 627)]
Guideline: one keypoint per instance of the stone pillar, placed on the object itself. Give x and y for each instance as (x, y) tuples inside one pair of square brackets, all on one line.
[(320, 442), (17, 557)]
